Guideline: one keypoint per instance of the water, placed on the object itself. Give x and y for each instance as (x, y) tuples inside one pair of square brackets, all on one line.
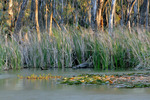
[(12, 88)]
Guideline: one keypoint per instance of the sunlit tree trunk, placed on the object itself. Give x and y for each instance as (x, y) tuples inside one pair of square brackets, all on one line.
[(128, 17), (89, 14), (51, 16), (36, 20), (111, 17), (10, 12), (20, 18), (99, 13), (93, 14)]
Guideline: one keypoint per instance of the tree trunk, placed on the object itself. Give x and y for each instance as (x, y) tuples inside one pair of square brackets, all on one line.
[(99, 13), (147, 14), (36, 20), (62, 10), (129, 13), (41, 19), (32, 14), (51, 16), (67, 2), (10, 12), (89, 15), (135, 12), (93, 14), (143, 12), (46, 16), (54, 8), (19, 20), (76, 13), (122, 18), (111, 17)]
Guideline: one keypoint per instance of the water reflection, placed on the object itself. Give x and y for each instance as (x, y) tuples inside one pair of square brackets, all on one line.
[(23, 89)]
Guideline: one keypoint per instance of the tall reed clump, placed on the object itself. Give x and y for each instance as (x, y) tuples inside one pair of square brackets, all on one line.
[(10, 54), (71, 47)]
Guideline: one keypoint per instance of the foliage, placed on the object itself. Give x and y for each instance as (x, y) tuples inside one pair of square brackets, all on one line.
[(134, 80), (36, 77), (131, 80), (72, 47)]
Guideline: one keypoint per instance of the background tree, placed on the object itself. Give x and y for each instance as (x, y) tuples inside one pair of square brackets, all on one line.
[(143, 11), (19, 19), (80, 13), (99, 13), (93, 13), (32, 12), (112, 17), (36, 20)]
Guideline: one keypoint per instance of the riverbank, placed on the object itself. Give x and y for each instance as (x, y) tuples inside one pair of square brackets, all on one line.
[(72, 47)]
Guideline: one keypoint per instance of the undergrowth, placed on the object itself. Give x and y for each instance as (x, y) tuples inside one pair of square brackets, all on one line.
[(71, 47)]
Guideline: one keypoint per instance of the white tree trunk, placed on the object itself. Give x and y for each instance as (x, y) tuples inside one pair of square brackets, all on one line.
[(111, 17)]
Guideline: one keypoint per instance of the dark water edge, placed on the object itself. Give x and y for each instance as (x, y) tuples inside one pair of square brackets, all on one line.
[(67, 71)]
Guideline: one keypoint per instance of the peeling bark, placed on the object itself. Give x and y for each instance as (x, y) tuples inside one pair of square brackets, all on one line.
[(99, 13)]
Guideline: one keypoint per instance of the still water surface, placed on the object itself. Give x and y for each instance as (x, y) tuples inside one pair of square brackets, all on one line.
[(12, 88)]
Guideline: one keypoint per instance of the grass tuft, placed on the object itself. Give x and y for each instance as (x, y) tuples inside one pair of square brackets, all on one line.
[(72, 47)]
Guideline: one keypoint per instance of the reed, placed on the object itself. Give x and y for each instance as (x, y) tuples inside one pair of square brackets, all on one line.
[(71, 47)]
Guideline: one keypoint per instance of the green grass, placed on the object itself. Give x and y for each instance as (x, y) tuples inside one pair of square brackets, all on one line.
[(71, 47)]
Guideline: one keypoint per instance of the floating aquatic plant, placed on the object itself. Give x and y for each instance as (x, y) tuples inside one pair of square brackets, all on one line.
[(131, 80), (134, 80), (44, 76)]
